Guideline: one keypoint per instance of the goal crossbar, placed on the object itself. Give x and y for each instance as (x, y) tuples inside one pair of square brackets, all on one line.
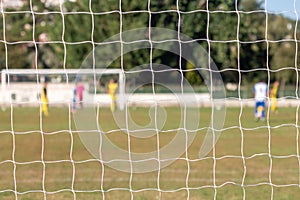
[(60, 71)]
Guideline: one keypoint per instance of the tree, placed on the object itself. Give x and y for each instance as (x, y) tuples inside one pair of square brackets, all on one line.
[(253, 48), (77, 27), (283, 51)]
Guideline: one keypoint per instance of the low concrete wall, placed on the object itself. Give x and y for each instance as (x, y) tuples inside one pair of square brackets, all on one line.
[(62, 94)]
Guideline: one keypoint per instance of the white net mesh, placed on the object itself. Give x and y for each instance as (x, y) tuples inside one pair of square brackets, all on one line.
[(172, 138)]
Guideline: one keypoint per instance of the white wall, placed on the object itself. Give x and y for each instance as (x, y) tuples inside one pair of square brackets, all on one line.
[(28, 93), (58, 94), (61, 94)]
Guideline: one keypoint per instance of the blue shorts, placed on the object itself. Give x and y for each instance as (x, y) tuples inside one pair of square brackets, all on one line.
[(257, 104)]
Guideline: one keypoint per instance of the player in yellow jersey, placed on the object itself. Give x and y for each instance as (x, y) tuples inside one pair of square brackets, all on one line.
[(44, 100), (273, 96), (112, 87)]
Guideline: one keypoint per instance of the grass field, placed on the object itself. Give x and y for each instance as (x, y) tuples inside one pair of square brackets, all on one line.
[(45, 158)]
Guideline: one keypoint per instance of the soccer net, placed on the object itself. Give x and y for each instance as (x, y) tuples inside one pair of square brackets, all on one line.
[(127, 99)]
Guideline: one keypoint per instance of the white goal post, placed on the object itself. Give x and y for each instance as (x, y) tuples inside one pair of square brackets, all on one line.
[(60, 91)]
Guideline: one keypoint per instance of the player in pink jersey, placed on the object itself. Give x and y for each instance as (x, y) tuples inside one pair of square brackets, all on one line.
[(79, 92)]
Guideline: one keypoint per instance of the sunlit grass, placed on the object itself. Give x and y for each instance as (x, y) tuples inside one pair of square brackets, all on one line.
[(44, 157)]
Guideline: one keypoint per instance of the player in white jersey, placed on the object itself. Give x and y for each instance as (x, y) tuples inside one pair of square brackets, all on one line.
[(260, 95)]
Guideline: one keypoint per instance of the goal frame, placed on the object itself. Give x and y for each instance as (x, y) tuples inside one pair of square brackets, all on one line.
[(6, 72)]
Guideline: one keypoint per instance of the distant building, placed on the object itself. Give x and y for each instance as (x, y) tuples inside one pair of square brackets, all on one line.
[(52, 2), (19, 3), (12, 3)]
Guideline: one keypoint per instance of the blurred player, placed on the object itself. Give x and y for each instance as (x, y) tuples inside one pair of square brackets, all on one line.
[(260, 95), (273, 96), (74, 100), (44, 100), (79, 92), (112, 87)]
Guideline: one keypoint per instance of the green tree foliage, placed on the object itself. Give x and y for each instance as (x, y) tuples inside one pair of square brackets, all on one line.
[(253, 46), (245, 40), (15, 28)]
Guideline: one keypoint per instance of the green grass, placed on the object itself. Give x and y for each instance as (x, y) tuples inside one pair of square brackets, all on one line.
[(45, 158)]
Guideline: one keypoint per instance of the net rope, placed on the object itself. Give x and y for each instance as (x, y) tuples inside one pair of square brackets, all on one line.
[(189, 171)]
